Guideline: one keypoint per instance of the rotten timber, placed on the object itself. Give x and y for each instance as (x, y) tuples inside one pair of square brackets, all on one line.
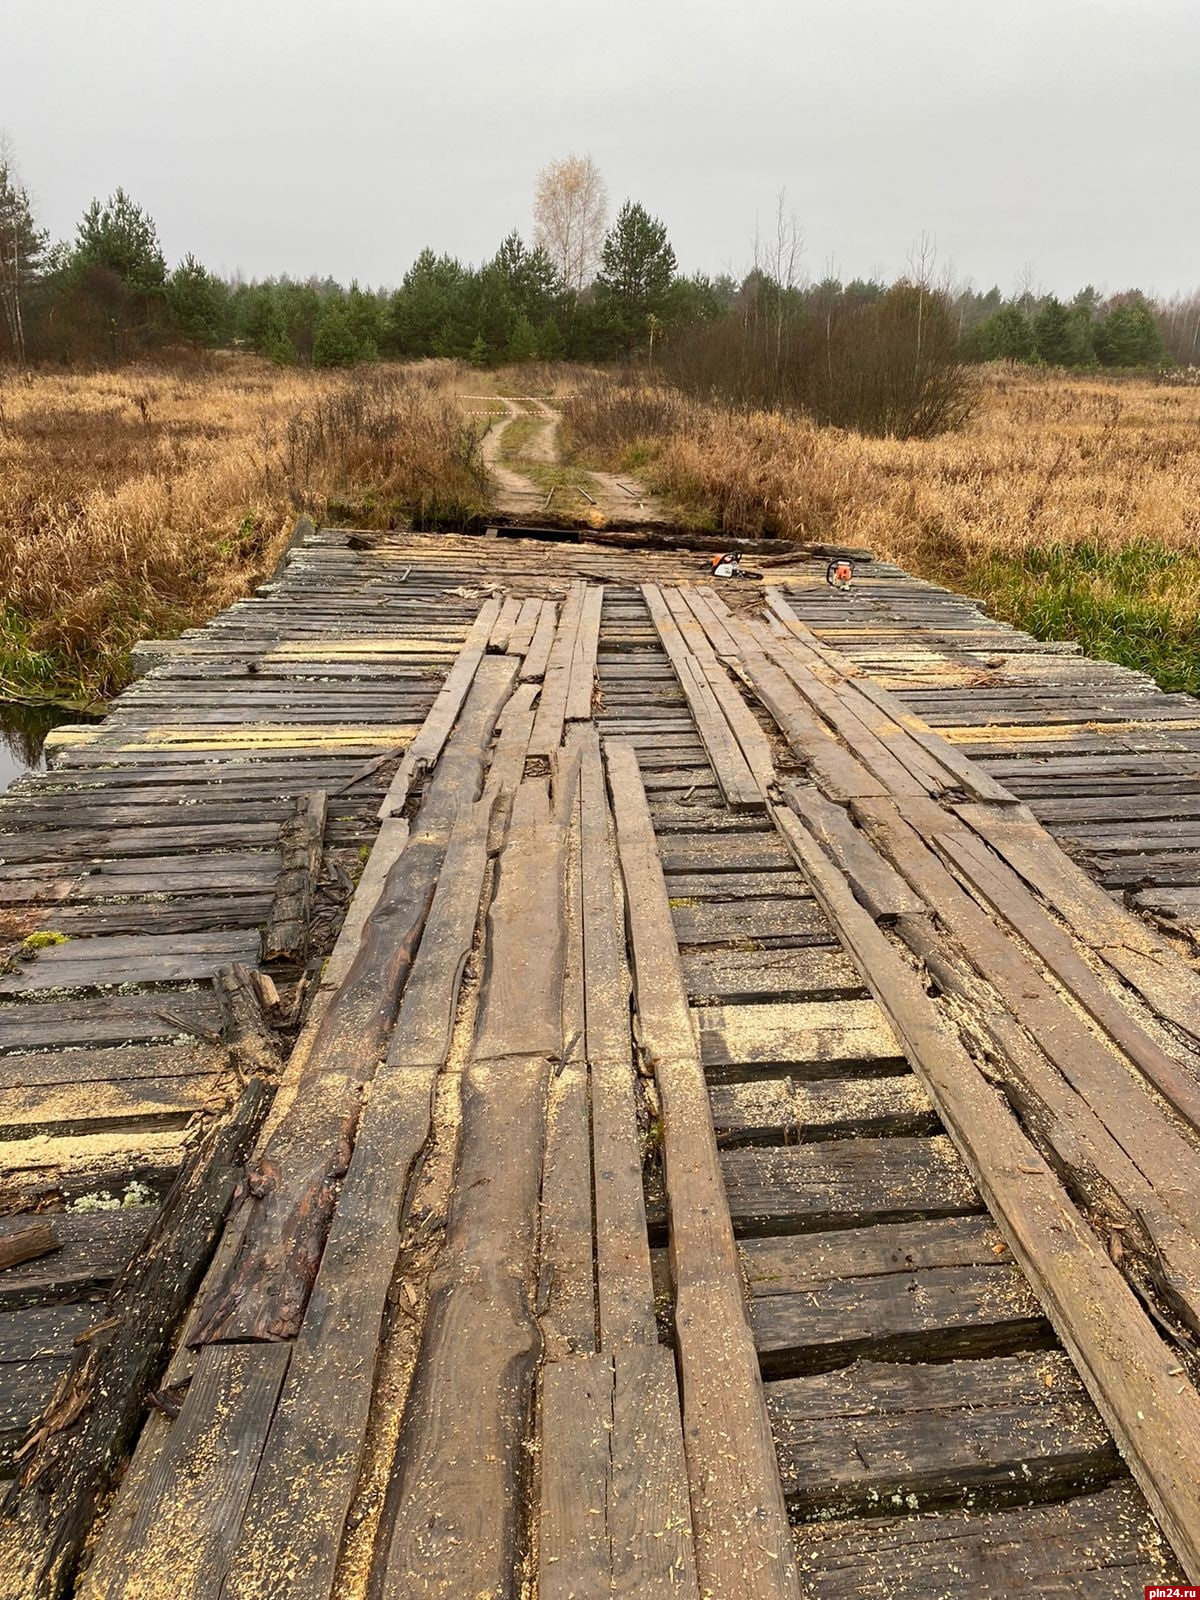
[(94, 1414)]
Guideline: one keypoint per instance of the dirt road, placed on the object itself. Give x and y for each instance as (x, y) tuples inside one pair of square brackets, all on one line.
[(595, 497)]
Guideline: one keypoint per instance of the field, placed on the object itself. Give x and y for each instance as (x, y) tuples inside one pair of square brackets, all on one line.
[(1070, 505), (137, 502)]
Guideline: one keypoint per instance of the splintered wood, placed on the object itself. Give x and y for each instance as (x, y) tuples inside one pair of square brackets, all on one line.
[(727, 1148)]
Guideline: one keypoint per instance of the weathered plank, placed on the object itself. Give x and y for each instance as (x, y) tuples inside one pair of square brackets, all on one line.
[(94, 1414), (788, 1110), (738, 1513), (805, 1038), (285, 937), (844, 1183), (1115, 1347), (1088, 1547), (302, 1491), (292, 1189), (154, 1545), (943, 1434), (459, 1462), (737, 781), (427, 746)]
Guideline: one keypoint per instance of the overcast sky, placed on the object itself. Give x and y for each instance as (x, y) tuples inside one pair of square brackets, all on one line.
[(287, 136)]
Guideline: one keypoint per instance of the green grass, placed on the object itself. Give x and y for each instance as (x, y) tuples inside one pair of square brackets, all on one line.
[(517, 436), (1138, 605)]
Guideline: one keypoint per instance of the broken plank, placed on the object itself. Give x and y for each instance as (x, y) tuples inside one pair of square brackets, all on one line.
[(435, 730), (94, 1415), (295, 1175), (301, 839)]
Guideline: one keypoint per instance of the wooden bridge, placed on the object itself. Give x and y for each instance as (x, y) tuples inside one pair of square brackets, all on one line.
[(525, 1072)]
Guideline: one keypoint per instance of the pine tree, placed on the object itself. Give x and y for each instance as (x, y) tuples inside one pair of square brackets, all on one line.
[(198, 302), (1128, 335), (637, 267), (1053, 334), (523, 341), (337, 344), (121, 238)]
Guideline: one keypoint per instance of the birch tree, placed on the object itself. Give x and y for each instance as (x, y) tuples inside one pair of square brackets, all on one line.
[(22, 247), (570, 206)]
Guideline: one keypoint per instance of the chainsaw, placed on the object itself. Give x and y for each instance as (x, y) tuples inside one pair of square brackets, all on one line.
[(839, 574), (730, 566)]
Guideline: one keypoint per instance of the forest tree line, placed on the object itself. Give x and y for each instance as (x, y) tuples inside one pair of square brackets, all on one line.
[(583, 289)]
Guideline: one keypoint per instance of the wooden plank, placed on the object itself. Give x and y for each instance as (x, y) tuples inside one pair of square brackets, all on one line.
[(701, 852), (95, 1413), (689, 607), (38, 1331), (1118, 1352), (854, 1438), (747, 922), (738, 1514), (533, 668), (521, 638), (716, 976), (649, 1518), (838, 773), (460, 1458), (153, 1545), (734, 775), (1089, 1547), (388, 846), (292, 1194), (574, 1549), (871, 736), (1121, 940), (506, 620), (1091, 1064), (876, 884), (788, 1111), (624, 1285), (960, 770), (92, 1251), (806, 1038), (302, 1492), (109, 961), (567, 1300), (928, 1315), (301, 839), (795, 1262), (426, 747), (1010, 899), (583, 660), (552, 706), (845, 1183)]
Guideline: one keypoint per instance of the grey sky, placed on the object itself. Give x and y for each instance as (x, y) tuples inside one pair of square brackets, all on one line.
[(341, 137)]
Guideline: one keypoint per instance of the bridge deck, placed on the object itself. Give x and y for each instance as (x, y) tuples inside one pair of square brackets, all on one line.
[(721, 1146)]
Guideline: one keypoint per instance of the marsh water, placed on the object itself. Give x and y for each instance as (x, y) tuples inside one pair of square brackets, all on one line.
[(23, 731)]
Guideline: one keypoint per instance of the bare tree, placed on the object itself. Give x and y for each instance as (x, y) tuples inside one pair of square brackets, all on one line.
[(781, 259), (922, 264), (21, 248), (570, 207)]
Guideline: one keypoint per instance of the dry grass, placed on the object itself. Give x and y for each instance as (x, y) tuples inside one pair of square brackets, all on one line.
[(135, 503), (1071, 505)]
